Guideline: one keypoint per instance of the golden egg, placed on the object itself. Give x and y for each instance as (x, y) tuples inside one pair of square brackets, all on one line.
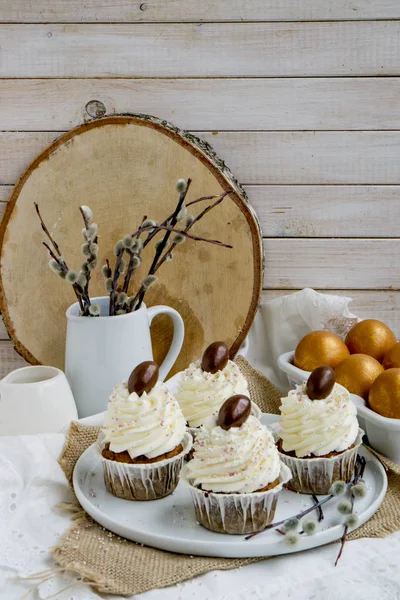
[(320, 348), (357, 373), (392, 358), (384, 396), (370, 337)]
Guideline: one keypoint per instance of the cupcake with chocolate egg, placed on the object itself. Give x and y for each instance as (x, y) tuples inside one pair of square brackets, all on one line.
[(318, 433), (236, 475), (205, 385), (144, 439)]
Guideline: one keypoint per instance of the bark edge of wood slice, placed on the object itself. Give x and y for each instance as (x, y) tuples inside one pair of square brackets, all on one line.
[(120, 166)]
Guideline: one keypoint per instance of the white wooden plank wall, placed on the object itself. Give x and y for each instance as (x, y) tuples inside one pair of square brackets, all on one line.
[(300, 97)]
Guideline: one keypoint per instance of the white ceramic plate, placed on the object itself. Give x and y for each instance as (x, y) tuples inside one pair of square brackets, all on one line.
[(170, 524)]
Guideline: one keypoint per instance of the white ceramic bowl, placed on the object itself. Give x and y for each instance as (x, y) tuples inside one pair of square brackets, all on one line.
[(383, 433), (294, 374)]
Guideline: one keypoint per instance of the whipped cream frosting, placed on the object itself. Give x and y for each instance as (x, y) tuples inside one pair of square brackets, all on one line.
[(201, 394), (317, 427), (240, 460), (150, 425)]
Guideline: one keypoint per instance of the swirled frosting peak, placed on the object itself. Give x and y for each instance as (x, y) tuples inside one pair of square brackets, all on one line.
[(149, 425), (238, 460), (201, 394), (318, 427)]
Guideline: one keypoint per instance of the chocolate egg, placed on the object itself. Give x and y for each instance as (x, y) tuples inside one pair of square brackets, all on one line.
[(234, 412), (215, 357), (143, 377), (320, 383)]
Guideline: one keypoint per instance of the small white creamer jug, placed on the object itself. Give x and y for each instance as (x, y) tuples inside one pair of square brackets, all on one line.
[(35, 399)]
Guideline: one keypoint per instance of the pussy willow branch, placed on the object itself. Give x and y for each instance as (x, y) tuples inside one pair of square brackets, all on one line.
[(88, 275), (163, 225), (64, 269), (298, 516), (165, 222), (56, 258), (173, 221), (131, 269), (319, 509), (47, 232), (154, 232), (129, 272), (210, 207), (199, 216), (85, 219), (81, 297), (143, 220), (188, 235), (115, 277), (203, 198), (141, 290), (358, 474), (343, 538), (166, 237), (59, 259)]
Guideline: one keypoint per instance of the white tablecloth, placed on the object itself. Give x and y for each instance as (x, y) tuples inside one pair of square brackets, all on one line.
[(32, 484)]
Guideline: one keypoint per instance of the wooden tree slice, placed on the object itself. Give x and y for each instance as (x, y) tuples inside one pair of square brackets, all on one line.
[(125, 167)]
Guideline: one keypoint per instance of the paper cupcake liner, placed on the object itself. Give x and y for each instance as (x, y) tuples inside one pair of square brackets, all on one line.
[(237, 513), (143, 481), (316, 475)]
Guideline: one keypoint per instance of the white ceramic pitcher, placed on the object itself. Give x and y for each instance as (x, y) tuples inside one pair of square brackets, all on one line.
[(102, 351)]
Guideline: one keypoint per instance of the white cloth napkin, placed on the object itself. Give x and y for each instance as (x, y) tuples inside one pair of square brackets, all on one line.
[(282, 322)]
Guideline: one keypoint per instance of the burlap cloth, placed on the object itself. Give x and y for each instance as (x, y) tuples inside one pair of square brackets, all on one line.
[(114, 565)]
